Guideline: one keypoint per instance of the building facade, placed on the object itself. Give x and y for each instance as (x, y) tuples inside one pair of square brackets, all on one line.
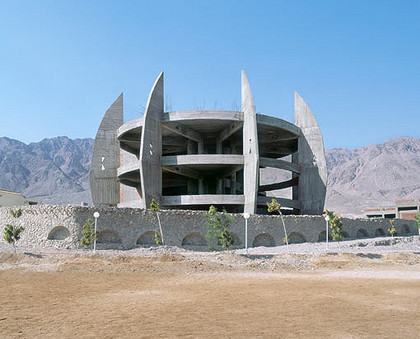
[(403, 209), (194, 159)]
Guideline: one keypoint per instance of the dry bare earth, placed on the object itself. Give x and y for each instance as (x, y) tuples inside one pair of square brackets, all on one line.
[(176, 293)]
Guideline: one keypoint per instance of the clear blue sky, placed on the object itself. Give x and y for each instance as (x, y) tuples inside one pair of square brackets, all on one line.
[(356, 63)]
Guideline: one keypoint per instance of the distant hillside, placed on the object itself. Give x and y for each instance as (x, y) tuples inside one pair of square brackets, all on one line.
[(56, 171), (374, 175)]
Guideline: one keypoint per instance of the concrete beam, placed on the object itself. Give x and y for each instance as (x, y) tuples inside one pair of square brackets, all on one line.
[(186, 132), (311, 160), (202, 159), (203, 199), (250, 147), (274, 122), (151, 145), (279, 185), (203, 115), (104, 186), (184, 171), (230, 130), (281, 164)]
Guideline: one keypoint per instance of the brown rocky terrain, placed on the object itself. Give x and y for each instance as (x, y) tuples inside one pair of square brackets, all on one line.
[(170, 292)]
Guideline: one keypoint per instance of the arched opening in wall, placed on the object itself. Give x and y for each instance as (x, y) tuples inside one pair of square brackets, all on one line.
[(406, 229), (344, 234), (108, 237), (296, 238), (379, 232), (147, 239), (321, 236), (362, 233), (236, 240), (263, 239), (194, 239), (59, 233)]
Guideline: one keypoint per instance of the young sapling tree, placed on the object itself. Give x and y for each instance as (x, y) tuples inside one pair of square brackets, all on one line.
[(274, 206), (155, 207), (217, 227), (88, 233), (336, 226), (392, 230), (417, 222), (12, 234)]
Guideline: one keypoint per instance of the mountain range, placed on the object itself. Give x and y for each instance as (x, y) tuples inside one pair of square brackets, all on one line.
[(56, 171)]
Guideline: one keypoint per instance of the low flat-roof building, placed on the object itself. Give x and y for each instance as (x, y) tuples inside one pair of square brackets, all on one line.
[(403, 209), (10, 198), (194, 159)]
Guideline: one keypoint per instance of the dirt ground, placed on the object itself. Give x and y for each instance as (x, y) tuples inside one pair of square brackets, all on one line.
[(208, 295)]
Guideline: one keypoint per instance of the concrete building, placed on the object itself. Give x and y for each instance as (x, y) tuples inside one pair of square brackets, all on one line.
[(10, 198), (403, 209), (194, 159)]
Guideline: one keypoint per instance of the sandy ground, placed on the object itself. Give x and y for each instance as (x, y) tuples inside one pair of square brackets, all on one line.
[(171, 292)]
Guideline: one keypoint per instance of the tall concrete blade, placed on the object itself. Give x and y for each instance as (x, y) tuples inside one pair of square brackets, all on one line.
[(250, 147), (151, 146), (311, 160), (104, 186)]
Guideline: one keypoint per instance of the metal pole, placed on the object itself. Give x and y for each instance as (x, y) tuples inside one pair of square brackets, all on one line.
[(94, 239), (96, 216), (246, 236), (326, 235), (285, 232), (246, 217)]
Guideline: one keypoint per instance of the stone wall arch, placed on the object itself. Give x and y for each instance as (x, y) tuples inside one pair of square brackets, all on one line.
[(236, 240), (108, 237), (344, 234), (362, 233), (194, 239), (59, 233), (321, 236), (379, 232), (296, 238), (406, 229), (264, 239), (146, 239)]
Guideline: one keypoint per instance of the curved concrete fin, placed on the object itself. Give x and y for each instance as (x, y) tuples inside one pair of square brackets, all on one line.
[(250, 147), (151, 145), (311, 160), (104, 186)]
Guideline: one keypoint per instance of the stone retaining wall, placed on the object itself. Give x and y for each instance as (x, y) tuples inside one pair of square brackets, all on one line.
[(125, 228)]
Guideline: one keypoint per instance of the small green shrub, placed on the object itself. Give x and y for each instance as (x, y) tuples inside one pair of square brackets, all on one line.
[(154, 206), (392, 230), (417, 221), (273, 206), (16, 214), (336, 226), (12, 234), (217, 227), (88, 233), (158, 239)]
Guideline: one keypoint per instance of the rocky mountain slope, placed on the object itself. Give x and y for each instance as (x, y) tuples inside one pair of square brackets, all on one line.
[(56, 171), (374, 175)]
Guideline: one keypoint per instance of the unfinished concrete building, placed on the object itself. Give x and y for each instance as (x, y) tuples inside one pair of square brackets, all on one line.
[(194, 159)]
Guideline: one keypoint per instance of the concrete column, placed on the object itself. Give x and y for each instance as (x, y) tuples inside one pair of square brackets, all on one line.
[(104, 186), (201, 186), (250, 148), (151, 145), (311, 160)]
